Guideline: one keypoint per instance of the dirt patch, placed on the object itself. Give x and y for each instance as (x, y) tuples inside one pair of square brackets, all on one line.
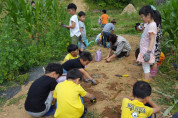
[(98, 94), (112, 112), (81, 5), (129, 9)]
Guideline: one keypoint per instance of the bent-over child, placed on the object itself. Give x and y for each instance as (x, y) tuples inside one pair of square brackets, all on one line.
[(136, 108), (39, 97), (80, 63), (73, 52), (69, 95)]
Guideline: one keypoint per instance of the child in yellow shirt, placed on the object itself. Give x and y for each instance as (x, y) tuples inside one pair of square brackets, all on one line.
[(69, 97), (136, 108), (73, 52)]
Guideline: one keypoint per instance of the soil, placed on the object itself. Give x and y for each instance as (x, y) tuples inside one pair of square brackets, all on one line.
[(109, 91), (112, 112), (129, 9), (81, 5)]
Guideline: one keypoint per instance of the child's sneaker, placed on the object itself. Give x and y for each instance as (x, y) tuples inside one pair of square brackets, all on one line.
[(93, 82)]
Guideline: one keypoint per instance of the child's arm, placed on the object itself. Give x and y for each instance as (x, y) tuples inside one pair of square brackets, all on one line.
[(110, 50), (152, 39), (155, 107), (91, 97), (54, 101), (85, 74), (71, 26), (111, 57), (81, 31)]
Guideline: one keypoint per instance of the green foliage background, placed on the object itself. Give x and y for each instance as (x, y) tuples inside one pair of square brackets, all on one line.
[(31, 37)]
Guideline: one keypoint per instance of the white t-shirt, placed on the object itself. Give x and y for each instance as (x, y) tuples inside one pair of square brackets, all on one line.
[(75, 31)]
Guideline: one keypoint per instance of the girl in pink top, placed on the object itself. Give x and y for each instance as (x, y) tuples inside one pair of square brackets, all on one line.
[(147, 43)]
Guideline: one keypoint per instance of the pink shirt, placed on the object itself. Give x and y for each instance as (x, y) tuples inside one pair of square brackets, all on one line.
[(145, 42)]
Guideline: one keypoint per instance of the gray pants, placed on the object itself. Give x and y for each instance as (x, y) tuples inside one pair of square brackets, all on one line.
[(75, 40), (48, 103)]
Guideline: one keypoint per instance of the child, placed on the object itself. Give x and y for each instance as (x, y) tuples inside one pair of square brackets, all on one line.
[(73, 52), (33, 5), (79, 63), (120, 46), (157, 19), (69, 96), (106, 31), (73, 24), (147, 43), (104, 18), (136, 108), (39, 97), (98, 39), (81, 15)]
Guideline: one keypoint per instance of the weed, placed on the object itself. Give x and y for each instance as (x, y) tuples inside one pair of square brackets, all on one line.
[(16, 100), (93, 114)]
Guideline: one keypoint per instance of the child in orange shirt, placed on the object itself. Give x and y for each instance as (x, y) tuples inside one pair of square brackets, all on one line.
[(104, 18)]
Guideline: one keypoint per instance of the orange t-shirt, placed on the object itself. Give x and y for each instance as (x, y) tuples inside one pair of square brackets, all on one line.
[(104, 18)]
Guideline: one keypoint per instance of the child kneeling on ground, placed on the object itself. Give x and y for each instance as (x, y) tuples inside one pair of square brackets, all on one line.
[(73, 52), (39, 97), (69, 96), (136, 108), (80, 63)]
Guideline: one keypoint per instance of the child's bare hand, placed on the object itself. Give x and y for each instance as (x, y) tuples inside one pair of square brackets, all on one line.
[(108, 60), (106, 57)]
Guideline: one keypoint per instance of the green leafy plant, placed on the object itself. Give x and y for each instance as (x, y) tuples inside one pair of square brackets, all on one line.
[(169, 13)]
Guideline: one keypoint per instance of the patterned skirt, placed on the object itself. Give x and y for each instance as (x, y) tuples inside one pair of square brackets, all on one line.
[(157, 51)]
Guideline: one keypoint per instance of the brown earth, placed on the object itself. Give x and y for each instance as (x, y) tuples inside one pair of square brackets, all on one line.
[(109, 91)]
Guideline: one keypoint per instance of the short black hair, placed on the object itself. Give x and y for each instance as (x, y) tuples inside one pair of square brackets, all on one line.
[(51, 67), (81, 13), (113, 21), (32, 2), (141, 89), (86, 56), (136, 25), (104, 11), (72, 6), (74, 74), (72, 47)]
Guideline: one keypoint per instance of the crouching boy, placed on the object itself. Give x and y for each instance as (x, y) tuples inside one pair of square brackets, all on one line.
[(79, 63), (39, 97), (69, 95), (136, 108)]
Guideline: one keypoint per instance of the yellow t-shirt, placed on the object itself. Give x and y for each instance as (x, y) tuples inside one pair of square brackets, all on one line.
[(135, 109), (104, 18), (69, 104), (69, 57)]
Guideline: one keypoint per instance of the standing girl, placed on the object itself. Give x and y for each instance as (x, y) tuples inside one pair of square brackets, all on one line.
[(147, 43)]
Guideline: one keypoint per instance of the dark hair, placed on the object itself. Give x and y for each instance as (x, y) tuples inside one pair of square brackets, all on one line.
[(32, 2), (81, 13), (72, 6), (104, 11), (157, 17), (113, 21), (145, 10), (112, 38), (51, 67), (136, 25), (141, 89), (86, 56), (74, 74), (71, 48)]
